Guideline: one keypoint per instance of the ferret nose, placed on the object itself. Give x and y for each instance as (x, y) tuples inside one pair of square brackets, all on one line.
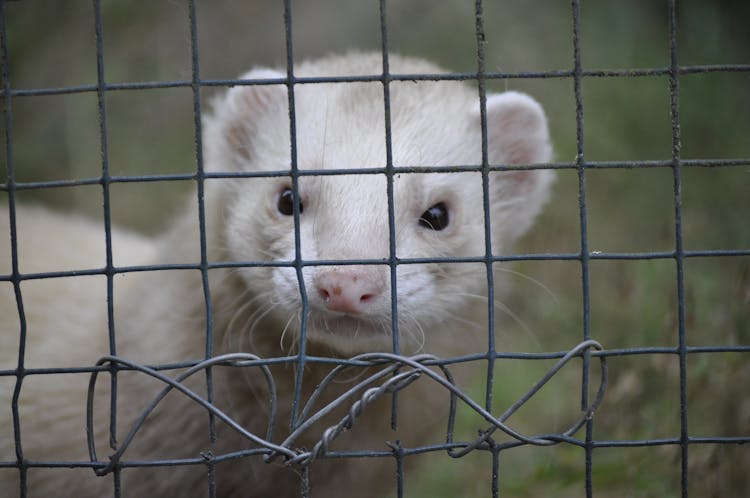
[(348, 290)]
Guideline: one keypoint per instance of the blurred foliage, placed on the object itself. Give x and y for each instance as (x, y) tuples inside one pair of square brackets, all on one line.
[(633, 303)]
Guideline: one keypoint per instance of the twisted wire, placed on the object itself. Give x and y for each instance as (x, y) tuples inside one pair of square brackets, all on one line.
[(395, 373)]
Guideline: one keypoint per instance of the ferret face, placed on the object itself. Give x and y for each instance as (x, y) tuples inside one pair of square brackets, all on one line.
[(345, 218)]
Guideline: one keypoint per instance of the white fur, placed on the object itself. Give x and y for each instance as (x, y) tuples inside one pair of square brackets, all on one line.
[(160, 316)]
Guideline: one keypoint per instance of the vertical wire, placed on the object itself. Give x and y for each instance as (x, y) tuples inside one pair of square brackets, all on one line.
[(294, 173), (674, 93), (481, 84), (584, 255), (15, 275), (109, 270), (495, 467), (398, 454), (392, 259), (201, 184), (305, 485)]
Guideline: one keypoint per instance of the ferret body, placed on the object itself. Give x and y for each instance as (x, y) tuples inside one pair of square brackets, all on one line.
[(160, 316)]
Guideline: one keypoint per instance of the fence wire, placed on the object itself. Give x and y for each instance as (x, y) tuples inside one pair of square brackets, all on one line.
[(399, 371)]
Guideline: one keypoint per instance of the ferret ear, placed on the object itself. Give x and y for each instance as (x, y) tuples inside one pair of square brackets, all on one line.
[(233, 124), (254, 99), (516, 129), (517, 134)]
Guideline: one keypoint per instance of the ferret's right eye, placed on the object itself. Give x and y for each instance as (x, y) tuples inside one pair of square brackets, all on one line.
[(285, 204)]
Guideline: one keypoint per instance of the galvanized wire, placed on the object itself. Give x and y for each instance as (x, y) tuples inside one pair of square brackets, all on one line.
[(396, 372)]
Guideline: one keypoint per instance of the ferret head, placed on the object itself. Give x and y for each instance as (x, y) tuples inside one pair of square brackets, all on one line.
[(347, 217)]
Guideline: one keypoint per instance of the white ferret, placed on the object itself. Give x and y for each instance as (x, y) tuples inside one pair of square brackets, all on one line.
[(160, 316)]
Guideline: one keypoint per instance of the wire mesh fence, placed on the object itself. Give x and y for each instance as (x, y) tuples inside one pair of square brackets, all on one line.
[(389, 375)]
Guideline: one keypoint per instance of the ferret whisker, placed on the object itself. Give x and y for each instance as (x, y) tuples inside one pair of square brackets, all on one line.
[(511, 314), (531, 279), (465, 321), (284, 331), (237, 309), (418, 330), (256, 318)]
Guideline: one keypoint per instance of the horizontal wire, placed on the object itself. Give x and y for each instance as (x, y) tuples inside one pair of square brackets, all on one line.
[(594, 255), (172, 177), (302, 80)]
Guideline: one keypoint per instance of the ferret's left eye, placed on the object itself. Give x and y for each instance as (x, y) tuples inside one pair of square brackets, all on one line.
[(436, 217), (285, 204)]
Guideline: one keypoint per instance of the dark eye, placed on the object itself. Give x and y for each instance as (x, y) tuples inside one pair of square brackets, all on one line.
[(285, 203), (436, 217)]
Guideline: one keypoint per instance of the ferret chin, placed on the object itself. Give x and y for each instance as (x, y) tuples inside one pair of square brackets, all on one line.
[(357, 241)]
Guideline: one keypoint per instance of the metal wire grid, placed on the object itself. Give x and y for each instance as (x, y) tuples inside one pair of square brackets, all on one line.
[(577, 73)]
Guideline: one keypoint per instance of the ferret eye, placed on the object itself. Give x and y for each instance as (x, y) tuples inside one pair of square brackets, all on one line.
[(285, 203), (436, 217)]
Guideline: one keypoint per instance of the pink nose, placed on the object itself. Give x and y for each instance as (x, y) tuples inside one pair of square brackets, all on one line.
[(348, 291)]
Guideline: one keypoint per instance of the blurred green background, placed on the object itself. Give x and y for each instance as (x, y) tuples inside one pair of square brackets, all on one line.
[(633, 303)]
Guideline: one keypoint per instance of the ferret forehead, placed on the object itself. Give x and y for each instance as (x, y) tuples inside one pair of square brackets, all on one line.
[(352, 193), (340, 126)]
